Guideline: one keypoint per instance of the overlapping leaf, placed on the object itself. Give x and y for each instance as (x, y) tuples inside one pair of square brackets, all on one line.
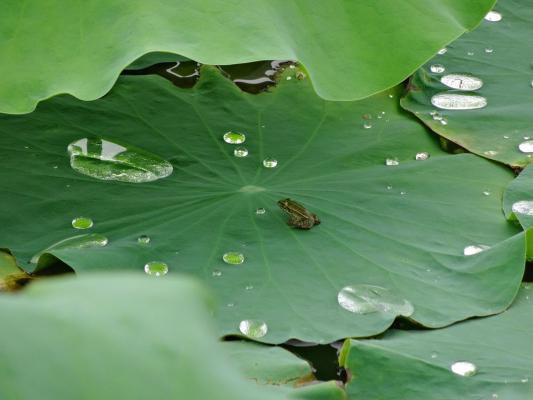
[(418, 364), (498, 53), (401, 227), (351, 49)]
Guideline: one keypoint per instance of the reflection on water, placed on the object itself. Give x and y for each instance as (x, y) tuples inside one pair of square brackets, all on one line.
[(253, 77)]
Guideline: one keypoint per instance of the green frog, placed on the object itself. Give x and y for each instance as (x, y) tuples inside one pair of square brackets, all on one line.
[(300, 217)]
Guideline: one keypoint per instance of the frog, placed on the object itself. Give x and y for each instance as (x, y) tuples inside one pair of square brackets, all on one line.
[(300, 217)]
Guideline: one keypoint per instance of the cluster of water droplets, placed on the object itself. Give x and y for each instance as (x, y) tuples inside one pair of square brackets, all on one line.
[(237, 138)]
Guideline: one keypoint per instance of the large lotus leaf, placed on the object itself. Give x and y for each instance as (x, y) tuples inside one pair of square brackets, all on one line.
[(498, 53), (290, 375), (114, 336), (352, 49), (402, 228), (418, 364)]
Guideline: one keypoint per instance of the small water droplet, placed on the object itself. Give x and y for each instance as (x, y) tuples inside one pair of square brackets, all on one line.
[(464, 368), (524, 380), (233, 257), (434, 355), (367, 124), (289, 78), (462, 82), (453, 101), (364, 299), (253, 328), (230, 305), (216, 273), (493, 16), (260, 211), (489, 50), (392, 161), (526, 137), (106, 160), (234, 137), (474, 249), (444, 121), (442, 51), (403, 193), (437, 68), (524, 207), (156, 268), (470, 53), (248, 287), (82, 223), (422, 156), (494, 395), (505, 137), (389, 187), (381, 114), (85, 241), (486, 193), (270, 162), (26, 147), (240, 152), (143, 239), (490, 153), (55, 167), (391, 96), (526, 147)]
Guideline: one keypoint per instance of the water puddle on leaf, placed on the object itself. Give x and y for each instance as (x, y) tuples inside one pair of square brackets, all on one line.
[(474, 249), (464, 368), (253, 328), (156, 268), (75, 242), (106, 160), (462, 82), (454, 101), (364, 299)]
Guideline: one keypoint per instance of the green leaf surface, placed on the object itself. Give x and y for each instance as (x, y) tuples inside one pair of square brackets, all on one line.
[(351, 49), (498, 53), (290, 375), (114, 336), (402, 228), (417, 364)]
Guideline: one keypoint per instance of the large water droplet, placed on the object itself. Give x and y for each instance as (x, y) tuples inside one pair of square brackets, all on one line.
[(462, 82), (474, 249), (253, 328), (392, 162), (234, 137), (75, 242), (364, 299), (493, 16), (453, 101), (82, 223), (240, 152), (233, 257), (106, 160), (524, 207), (156, 268), (270, 162), (422, 156), (437, 68), (464, 368), (143, 239), (260, 211), (526, 147)]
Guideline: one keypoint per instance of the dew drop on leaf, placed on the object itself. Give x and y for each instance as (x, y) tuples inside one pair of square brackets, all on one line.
[(216, 273), (392, 162), (260, 211), (240, 152), (233, 257), (82, 223), (156, 268), (364, 299), (462, 82), (143, 239), (442, 51), (422, 156), (493, 16), (437, 68), (474, 249), (526, 147), (253, 328), (454, 101), (234, 137), (464, 368), (270, 162)]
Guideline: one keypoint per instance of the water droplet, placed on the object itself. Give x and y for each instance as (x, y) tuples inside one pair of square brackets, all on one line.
[(422, 156), (403, 193), (367, 124), (230, 305), (505, 137), (234, 137), (523, 207), (300, 75), (260, 211), (434, 355), (494, 395), (233, 257), (493, 16), (453, 101), (216, 273), (488, 50), (392, 161), (462, 82), (444, 121), (143, 239), (248, 287), (55, 167), (490, 153), (270, 162), (102, 159), (156, 268), (253, 328), (486, 193), (464, 368), (474, 249), (524, 380), (526, 137), (437, 68), (364, 299), (389, 187), (470, 53), (75, 242), (240, 152), (526, 147), (381, 114), (442, 51), (391, 96), (82, 223)]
